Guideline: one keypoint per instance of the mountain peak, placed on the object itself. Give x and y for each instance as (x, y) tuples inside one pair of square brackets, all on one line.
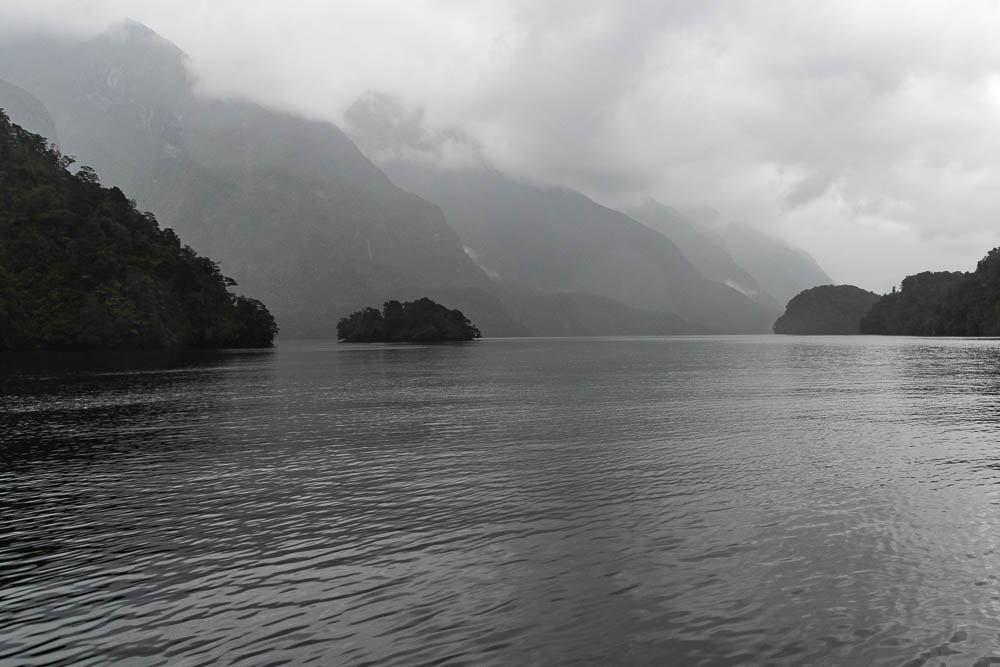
[(131, 29), (133, 33)]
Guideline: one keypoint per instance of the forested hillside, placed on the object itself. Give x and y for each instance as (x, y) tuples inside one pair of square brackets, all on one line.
[(80, 266), (944, 303), (827, 309)]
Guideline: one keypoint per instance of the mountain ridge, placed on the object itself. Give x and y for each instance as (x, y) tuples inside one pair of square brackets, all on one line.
[(709, 256), (297, 213), (289, 207)]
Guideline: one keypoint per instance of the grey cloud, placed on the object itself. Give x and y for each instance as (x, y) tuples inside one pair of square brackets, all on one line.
[(384, 128), (808, 189), (869, 133), (380, 120)]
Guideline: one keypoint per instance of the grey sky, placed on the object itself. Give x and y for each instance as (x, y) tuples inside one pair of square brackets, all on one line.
[(866, 132)]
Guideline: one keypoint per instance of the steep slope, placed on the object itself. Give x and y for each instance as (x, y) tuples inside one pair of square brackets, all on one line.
[(781, 269), (538, 241), (707, 255), (559, 241), (827, 309), (81, 267), (289, 207)]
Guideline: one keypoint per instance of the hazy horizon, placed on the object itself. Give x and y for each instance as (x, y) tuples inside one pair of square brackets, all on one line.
[(863, 134)]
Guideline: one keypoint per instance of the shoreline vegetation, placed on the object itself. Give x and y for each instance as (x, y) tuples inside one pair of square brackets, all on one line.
[(931, 303), (82, 267), (422, 321), (826, 310)]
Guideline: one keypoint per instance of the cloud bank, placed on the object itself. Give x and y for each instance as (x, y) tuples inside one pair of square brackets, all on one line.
[(867, 133)]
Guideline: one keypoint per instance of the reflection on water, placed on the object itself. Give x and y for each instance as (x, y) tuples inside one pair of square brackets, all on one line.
[(731, 500)]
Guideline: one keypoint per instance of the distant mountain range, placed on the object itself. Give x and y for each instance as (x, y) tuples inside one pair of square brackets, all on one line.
[(522, 234), (302, 219), (28, 111), (289, 207), (706, 250), (558, 241), (782, 270), (766, 269)]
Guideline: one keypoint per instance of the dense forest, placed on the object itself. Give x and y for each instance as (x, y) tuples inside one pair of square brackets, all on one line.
[(80, 266), (422, 320), (916, 308), (827, 309), (942, 304)]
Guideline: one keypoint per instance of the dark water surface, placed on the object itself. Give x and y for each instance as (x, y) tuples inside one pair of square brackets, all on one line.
[(731, 500)]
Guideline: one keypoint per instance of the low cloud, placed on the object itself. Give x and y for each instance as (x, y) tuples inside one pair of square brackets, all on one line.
[(867, 133), (386, 130)]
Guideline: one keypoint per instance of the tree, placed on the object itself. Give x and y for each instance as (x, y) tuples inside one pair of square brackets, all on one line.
[(422, 320), (80, 266)]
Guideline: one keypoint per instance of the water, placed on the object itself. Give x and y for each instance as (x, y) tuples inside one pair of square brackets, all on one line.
[(731, 500)]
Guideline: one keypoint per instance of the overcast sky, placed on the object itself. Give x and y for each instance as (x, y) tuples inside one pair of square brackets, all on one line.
[(866, 132)]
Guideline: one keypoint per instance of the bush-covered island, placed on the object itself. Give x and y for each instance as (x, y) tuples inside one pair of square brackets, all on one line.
[(413, 321), (827, 309), (80, 267)]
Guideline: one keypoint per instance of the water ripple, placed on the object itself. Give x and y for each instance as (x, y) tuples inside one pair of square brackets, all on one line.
[(742, 500)]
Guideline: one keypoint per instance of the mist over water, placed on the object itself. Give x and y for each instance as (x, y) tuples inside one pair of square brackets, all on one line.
[(725, 500)]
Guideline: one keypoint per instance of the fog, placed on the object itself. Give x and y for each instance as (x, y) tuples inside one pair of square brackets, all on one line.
[(867, 133)]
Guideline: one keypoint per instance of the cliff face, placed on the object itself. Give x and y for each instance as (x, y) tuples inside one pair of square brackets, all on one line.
[(827, 309)]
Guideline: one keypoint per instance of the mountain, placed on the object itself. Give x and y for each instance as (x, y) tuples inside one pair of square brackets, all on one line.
[(289, 207), (27, 111), (766, 269), (534, 241), (294, 211), (781, 269), (81, 267), (559, 241), (827, 309), (705, 251)]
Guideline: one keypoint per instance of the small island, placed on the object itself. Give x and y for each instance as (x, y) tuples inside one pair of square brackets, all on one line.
[(421, 321), (826, 310)]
